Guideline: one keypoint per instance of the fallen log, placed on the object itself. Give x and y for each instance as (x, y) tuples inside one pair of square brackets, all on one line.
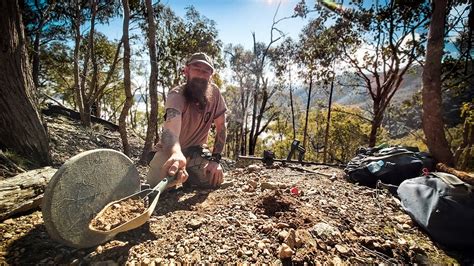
[(23, 192), (61, 110)]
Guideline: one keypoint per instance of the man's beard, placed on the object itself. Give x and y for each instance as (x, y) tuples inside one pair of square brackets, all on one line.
[(197, 90)]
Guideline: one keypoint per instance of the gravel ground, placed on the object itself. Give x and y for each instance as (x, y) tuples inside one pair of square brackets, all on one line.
[(277, 215)]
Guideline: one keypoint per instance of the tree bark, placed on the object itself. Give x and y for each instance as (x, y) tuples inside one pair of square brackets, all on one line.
[(127, 83), (328, 122), (433, 124), (153, 118), (20, 124), (293, 124), (305, 132), (36, 55), (75, 22)]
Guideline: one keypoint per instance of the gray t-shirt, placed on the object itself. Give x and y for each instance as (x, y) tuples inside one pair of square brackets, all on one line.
[(195, 123)]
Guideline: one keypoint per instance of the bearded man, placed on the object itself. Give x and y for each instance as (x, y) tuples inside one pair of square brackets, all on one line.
[(191, 109)]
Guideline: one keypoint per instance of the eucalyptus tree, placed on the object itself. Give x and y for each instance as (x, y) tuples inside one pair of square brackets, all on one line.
[(239, 61), (317, 51), (263, 109), (20, 130), (177, 38), (126, 78), (394, 33), (283, 61), (43, 23), (152, 126), (381, 41)]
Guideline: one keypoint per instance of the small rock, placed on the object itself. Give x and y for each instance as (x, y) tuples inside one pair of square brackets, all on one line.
[(269, 185), (284, 251), (7, 235), (253, 184), (99, 249), (172, 254), (247, 188), (9, 221), (226, 184), (240, 253), (252, 216), (290, 239), (337, 261), (267, 228), (194, 240), (221, 251), (181, 251), (282, 225), (402, 241), (282, 235), (306, 238), (261, 245), (194, 224), (406, 226), (326, 231), (253, 168), (342, 249)]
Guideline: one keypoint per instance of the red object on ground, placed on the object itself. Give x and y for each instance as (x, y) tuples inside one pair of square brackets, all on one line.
[(294, 191)]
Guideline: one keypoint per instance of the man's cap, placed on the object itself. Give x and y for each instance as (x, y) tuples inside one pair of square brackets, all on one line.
[(202, 58)]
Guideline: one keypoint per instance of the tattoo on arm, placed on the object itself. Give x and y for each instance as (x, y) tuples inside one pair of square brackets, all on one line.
[(172, 113), (168, 139), (220, 141)]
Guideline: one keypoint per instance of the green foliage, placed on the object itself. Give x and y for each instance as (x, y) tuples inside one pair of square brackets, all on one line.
[(177, 38), (348, 131)]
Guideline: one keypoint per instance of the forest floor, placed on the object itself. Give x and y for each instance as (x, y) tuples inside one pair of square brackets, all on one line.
[(276, 215)]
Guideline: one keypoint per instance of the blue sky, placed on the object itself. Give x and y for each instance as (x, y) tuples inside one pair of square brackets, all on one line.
[(235, 19)]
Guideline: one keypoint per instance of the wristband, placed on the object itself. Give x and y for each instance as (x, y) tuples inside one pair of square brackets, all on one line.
[(215, 157)]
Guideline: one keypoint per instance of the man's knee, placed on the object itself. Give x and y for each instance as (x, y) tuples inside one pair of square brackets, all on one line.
[(156, 172), (196, 168)]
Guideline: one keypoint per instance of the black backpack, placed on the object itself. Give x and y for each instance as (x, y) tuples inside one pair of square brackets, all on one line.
[(443, 205), (390, 165)]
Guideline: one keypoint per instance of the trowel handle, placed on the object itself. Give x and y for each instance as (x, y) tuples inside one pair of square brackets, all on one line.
[(164, 183)]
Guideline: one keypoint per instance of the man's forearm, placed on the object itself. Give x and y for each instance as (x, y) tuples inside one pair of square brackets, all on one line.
[(220, 140), (170, 141), (170, 137)]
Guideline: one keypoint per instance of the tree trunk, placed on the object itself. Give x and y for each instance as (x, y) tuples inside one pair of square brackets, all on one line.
[(126, 81), (305, 132), (75, 22), (36, 55), (20, 124), (153, 118), (328, 122), (252, 144), (433, 124), (292, 106)]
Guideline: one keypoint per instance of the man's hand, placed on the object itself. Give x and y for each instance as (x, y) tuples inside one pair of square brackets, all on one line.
[(215, 172), (176, 165)]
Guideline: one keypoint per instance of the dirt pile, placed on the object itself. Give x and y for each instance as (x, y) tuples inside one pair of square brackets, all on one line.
[(119, 213)]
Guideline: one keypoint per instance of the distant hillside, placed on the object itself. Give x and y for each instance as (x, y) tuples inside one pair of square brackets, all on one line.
[(359, 96), (346, 93)]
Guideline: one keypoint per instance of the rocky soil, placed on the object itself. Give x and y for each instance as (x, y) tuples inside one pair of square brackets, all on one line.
[(118, 213), (276, 215)]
